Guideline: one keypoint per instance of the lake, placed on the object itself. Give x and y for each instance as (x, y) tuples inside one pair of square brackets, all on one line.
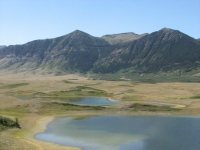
[(125, 133)]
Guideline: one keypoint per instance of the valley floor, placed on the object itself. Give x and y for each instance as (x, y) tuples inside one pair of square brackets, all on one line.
[(44, 99)]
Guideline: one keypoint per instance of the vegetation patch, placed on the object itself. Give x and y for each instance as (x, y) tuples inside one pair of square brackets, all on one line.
[(131, 98), (88, 91), (195, 97), (147, 107), (126, 85), (6, 123), (13, 112), (82, 91), (11, 86), (57, 107), (68, 82), (151, 78), (20, 110)]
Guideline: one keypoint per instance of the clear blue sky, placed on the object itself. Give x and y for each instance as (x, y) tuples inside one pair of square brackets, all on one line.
[(26, 20)]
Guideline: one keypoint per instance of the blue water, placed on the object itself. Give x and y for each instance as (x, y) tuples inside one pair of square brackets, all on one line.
[(86, 101), (125, 133), (95, 102)]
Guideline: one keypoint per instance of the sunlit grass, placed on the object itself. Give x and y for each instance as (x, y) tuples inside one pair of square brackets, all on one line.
[(11, 86)]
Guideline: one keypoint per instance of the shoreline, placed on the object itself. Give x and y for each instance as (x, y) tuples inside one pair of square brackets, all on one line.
[(110, 99), (40, 126)]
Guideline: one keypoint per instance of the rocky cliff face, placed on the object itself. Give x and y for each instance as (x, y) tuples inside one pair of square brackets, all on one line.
[(164, 50)]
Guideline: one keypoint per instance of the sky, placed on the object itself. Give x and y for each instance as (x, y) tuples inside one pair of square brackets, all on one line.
[(22, 21)]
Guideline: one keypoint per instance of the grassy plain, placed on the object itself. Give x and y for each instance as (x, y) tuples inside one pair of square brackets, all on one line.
[(48, 97)]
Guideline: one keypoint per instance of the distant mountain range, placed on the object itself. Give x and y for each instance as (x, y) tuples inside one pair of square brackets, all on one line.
[(198, 39), (163, 50)]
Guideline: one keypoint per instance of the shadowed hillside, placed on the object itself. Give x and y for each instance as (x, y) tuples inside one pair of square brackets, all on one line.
[(163, 50)]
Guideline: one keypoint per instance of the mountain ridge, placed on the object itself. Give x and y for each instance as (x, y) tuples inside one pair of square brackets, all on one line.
[(62, 53), (143, 52), (162, 50), (122, 37)]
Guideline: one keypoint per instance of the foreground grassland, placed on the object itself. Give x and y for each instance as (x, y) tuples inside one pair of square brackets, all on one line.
[(37, 100)]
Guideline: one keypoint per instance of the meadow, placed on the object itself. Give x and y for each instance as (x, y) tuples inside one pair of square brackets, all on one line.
[(47, 98)]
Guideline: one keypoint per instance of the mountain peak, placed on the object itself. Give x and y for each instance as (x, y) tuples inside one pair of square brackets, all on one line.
[(166, 30), (173, 33), (78, 32)]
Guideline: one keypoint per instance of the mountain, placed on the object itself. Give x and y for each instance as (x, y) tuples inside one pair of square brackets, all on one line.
[(198, 39), (121, 38), (163, 50), (2, 46), (74, 51)]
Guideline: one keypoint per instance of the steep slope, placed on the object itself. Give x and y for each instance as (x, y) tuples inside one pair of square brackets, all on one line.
[(74, 51), (164, 50), (121, 38)]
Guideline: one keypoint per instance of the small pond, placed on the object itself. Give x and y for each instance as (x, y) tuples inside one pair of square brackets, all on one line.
[(95, 102), (74, 100), (125, 133)]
